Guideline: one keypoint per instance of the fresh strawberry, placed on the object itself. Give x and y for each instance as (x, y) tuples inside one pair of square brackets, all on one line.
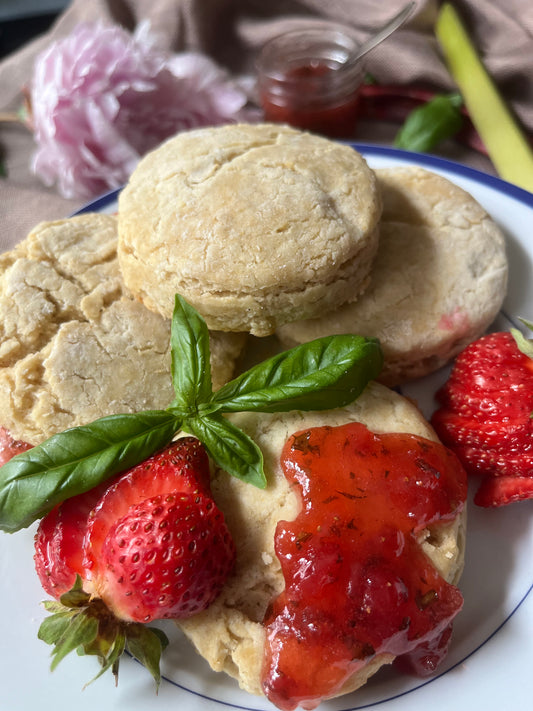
[(180, 468), (174, 568), (151, 544), (59, 542), (485, 415), (500, 490)]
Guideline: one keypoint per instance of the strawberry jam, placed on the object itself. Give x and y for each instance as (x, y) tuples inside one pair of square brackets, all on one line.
[(306, 100), (357, 583)]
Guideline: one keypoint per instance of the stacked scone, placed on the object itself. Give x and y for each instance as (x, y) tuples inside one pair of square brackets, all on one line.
[(266, 231), (256, 226), (438, 281)]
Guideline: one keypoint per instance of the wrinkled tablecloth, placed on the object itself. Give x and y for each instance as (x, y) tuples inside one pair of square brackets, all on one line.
[(232, 31)]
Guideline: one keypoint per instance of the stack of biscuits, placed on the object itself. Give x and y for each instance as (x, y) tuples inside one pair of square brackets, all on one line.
[(268, 232), (265, 229)]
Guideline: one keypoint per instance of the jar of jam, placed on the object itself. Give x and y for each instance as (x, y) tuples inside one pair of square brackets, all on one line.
[(309, 78)]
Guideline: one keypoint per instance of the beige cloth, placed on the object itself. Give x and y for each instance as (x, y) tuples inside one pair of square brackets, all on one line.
[(231, 31)]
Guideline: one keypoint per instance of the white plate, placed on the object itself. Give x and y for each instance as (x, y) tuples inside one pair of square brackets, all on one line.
[(489, 664)]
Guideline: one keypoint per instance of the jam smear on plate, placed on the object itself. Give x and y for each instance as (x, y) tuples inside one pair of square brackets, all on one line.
[(357, 582)]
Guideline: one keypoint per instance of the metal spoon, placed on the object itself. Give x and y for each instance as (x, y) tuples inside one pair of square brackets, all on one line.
[(383, 33)]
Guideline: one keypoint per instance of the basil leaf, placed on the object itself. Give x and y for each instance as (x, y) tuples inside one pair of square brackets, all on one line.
[(323, 374), (232, 449), (320, 375), (77, 460), (428, 125), (191, 366)]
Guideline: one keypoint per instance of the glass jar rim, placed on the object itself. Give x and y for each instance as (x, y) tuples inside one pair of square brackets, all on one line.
[(328, 42)]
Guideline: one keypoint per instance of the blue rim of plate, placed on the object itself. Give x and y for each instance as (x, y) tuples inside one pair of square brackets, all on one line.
[(368, 150), (429, 161)]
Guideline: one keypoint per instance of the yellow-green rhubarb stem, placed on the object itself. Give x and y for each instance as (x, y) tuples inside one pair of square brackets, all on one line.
[(505, 142)]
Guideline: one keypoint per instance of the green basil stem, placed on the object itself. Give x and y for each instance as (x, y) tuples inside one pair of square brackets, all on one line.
[(323, 374)]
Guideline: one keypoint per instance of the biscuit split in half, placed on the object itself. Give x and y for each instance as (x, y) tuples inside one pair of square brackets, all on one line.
[(254, 225)]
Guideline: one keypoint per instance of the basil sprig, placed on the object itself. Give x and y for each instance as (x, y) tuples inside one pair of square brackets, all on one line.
[(323, 374), (430, 124)]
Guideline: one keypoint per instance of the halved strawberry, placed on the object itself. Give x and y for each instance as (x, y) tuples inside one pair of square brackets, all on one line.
[(181, 467), (152, 544), (59, 542), (168, 557), (498, 491), (485, 414)]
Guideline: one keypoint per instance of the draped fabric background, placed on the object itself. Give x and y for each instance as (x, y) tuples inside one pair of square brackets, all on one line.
[(232, 31)]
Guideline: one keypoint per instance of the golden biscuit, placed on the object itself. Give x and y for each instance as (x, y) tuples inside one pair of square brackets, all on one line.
[(230, 634), (74, 345), (438, 281), (255, 225)]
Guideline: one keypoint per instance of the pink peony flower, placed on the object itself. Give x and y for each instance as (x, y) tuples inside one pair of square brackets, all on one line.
[(102, 97)]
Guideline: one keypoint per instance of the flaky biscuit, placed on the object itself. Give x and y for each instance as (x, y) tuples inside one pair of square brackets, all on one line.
[(75, 345), (255, 225), (438, 281), (230, 634)]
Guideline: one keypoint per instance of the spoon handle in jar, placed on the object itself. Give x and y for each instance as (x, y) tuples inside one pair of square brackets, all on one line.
[(387, 29)]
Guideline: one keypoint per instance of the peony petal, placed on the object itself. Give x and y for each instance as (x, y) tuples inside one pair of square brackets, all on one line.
[(102, 97)]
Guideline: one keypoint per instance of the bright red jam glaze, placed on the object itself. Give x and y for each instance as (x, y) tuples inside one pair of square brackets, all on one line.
[(357, 582)]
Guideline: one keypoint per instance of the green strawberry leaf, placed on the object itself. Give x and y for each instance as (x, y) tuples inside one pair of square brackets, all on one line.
[(91, 629), (109, 651), (524, 344), (54, 627), (162, 636), (146, 645), (82, 630), (76, 596), (115, 654), (54, 606)]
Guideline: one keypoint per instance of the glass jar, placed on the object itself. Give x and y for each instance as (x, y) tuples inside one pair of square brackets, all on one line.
[(308, 78)]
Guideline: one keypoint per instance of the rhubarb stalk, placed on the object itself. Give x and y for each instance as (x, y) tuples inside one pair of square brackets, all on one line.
[(506, 144)]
